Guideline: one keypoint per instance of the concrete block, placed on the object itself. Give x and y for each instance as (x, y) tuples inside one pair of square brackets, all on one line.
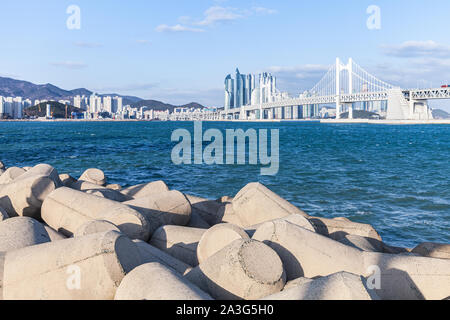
[(338, 228), (95, 176), (150, 253), (362, 243), (67, 179), (167, 208), (245, 269), (217, 238), (433, 250), (85, 268), (114, 186), (154, 281), (95, 226), (256, 204), (207, 209), (66, 209), (99, 191), (179, 242), (24, 197), (45, 170), (296, 219), (297, 282), (21, 232), (308, 254), (146, 189), (10, 174), (339, 286), (197, 221), (53, 234)]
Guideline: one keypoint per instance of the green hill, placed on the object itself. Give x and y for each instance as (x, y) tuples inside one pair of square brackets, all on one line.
[(58, 110)]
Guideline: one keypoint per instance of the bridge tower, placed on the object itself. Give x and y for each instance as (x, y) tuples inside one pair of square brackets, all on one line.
[(340, 68)]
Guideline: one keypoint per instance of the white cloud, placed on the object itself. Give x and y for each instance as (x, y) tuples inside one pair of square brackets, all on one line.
[(177, 28), (88, 44), (218, 14), (69, 65), (411, 49)]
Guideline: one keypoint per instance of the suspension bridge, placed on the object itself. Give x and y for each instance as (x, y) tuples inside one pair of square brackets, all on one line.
[(345, 85)]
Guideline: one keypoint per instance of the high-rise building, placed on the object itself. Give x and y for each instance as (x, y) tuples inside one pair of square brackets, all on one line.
[(107, 104), (117, 104), (229, 92)]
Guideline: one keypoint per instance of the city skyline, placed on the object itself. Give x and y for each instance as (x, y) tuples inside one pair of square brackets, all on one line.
[(174, 51)]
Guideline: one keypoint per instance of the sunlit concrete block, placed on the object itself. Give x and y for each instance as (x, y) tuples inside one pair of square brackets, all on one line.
[(115, 186), (146, 189), (95, 226), (24, 197), (217, 238), (66, 209), (305, 253), (245, 269), (95, 176), (53, 234), (10, 174), (296, 219), (97, 190), (433, 250), (362, 243), (85, 268), (67, 179), (256, 204), (2, 168), (21, 232), (45, 170), (308, 254), (337, 228), (154, 281), (296, 282), (150, 253), (179, 242), (167, 208), (207, 209), (339, 286)]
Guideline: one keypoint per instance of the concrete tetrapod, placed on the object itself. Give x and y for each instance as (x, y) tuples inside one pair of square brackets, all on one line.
[(146, 189), (2, 168), (24, 197), (67, 179), (154, 281), (168, 208), (256, 204), (11, 174), (245, 269), (339, 286), (99, 191), (296, 219), (95, 226), (433, 250), (95, 176), (309, 254), (208, 210), (21, 232), (65, 210), (179, 242), (43, 170), (338, 228), (150, 253), (217, 238), (53, 234), (85, 268)]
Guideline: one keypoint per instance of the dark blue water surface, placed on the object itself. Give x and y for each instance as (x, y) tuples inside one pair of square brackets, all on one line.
[(396, 178)]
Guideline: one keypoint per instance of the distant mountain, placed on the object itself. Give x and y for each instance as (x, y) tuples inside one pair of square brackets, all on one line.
[(18, 88), (58, 110), (440, 114), (161, 106)]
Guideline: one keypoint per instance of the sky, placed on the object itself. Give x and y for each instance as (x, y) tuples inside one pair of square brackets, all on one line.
[(180, 51)]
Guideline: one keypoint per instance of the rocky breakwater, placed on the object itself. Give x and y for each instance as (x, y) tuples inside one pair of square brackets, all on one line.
[(82, 239)]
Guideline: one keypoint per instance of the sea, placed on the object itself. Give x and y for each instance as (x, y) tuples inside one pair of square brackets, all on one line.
[(394, 177)]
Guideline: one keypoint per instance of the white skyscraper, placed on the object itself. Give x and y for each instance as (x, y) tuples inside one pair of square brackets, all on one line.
[(107, 104)]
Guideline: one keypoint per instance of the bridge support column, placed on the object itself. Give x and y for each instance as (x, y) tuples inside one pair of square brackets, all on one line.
[(350, 111)]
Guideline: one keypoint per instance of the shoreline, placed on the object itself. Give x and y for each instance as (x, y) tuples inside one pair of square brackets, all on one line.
[(321, 121)]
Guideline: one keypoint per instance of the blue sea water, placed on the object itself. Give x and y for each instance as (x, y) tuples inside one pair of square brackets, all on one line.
[(396, 178)]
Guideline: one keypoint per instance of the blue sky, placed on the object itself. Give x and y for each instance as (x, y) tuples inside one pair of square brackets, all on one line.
[(180, 51)]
